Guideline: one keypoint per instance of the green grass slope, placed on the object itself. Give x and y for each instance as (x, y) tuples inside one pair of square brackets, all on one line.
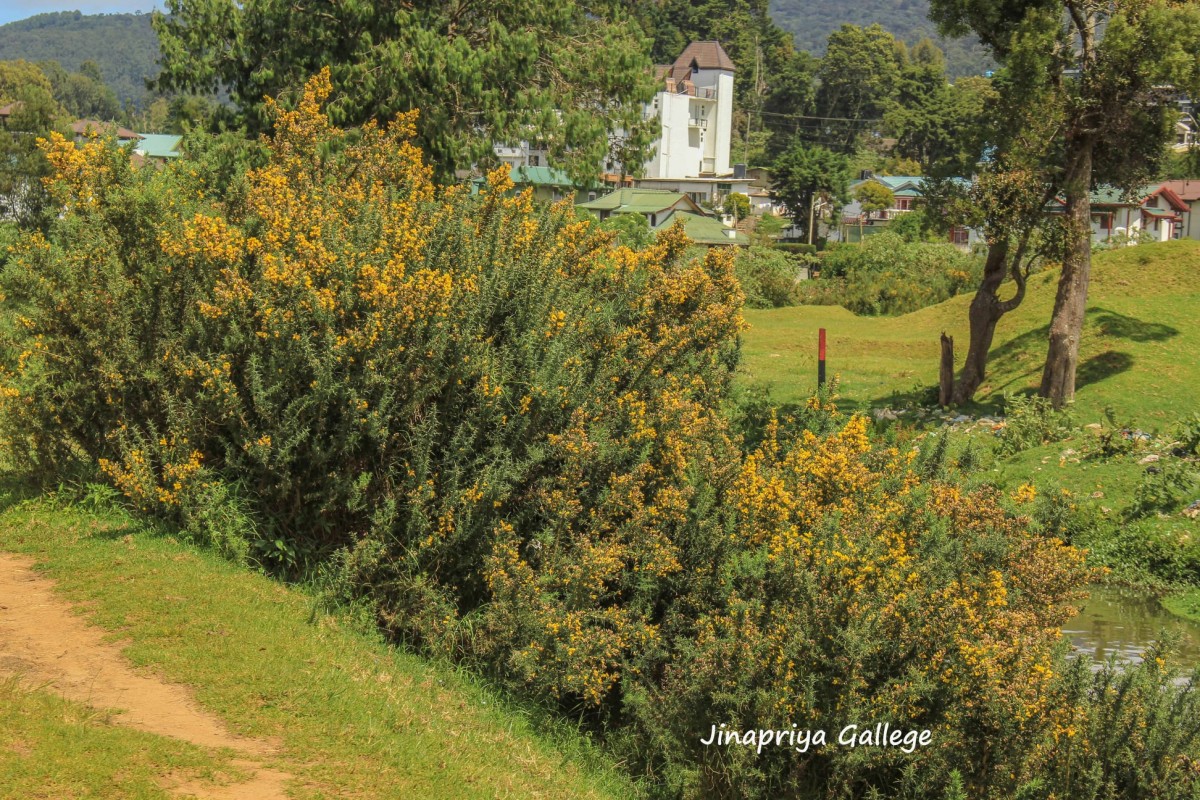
[(1140, 351), (354, 717)]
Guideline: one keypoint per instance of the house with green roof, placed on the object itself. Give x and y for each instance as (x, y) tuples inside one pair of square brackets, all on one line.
[(160, 147), (908, 192), (549, 185), (1156, 212), (704, 230), (663, 209), (653, 204)]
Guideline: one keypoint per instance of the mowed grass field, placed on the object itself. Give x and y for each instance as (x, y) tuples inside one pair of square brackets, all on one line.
[(353, 718), (1140, 350)]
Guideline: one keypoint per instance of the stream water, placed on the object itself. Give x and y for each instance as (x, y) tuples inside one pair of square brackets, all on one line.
[(1122, 622)]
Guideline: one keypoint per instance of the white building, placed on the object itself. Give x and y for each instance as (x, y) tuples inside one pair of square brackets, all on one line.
[(695, 112), (524, 154)]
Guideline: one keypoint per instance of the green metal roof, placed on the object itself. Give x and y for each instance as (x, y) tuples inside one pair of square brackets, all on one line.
[(1158, 213), (703, 230), (158, 145), (1112, 196), (635, 201), (540, 176)]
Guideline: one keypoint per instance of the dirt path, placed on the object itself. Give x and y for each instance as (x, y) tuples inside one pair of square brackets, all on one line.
[(45, 644)]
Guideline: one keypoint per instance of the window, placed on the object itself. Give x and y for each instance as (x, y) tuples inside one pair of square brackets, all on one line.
[(960, 236), (904, 204), (534, 161)]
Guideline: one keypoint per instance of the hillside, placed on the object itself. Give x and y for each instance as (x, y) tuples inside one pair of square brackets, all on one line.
[(188, 675), (1138, 350), (811, 22), (124, 45), (126, 48)]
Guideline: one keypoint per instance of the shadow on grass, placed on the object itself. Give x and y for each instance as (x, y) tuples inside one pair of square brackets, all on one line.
[(1101, 366), (1122, 326), (17, 488), (102, 515)]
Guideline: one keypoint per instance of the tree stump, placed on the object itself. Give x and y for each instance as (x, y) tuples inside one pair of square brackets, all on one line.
[(946, 376)]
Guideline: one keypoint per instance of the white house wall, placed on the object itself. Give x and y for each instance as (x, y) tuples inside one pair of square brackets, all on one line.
[(695, 131)]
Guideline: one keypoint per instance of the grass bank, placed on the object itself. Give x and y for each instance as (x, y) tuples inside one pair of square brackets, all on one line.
[(1140, 351), (1139, 359), (353, 717)]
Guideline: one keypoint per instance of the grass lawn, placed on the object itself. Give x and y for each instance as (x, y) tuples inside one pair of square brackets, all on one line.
[(1140, 356), (1140, 351), (354, 718)]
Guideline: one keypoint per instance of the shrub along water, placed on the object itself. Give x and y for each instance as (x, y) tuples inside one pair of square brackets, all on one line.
[(506, 434)]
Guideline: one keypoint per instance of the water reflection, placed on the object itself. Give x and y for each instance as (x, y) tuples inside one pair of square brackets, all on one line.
[(1122, 622)]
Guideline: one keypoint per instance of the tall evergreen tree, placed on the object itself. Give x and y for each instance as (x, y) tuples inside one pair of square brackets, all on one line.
[(562, 73)]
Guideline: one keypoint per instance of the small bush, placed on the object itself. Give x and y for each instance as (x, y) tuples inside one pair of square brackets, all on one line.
[(1187, 432), (1031, 421), (768, 276), (795, 248), (1115, 438), (887, 275), (1165, 485)]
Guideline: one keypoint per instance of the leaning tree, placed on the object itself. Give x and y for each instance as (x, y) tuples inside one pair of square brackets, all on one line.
[(1111, 71)]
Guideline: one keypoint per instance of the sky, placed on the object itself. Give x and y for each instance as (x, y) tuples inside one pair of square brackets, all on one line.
[(11, 10)]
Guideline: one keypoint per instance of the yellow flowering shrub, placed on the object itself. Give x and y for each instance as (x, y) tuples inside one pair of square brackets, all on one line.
[(512, 438), (856, 592)]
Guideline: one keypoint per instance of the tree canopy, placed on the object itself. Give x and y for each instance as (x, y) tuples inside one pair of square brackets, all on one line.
[(802, 173), (1106, 75), (561, 73)]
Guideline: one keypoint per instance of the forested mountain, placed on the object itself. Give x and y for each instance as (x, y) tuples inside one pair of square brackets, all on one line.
[(123, 45), (811, 22), (126, 49)]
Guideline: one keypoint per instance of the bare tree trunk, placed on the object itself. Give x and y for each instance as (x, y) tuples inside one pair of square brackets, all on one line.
[(986, 310), (1070, 304), (983, 317), (946, 377)]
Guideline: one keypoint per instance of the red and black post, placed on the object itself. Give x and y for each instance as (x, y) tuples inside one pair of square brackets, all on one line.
[(821, 358)]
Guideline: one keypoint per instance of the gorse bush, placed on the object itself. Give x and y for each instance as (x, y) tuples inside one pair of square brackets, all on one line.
[(1126, 732), (852, 591), (888, 275), (358, 358), (508, 438)]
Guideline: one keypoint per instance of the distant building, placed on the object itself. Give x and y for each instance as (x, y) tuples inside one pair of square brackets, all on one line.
[(907, 195), (653, 204), (160, 147), (1188, 192), (548, 185), (1154, 212), (85, 128), (703, 229), (522, 154), (694, 109), (662, 209)]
